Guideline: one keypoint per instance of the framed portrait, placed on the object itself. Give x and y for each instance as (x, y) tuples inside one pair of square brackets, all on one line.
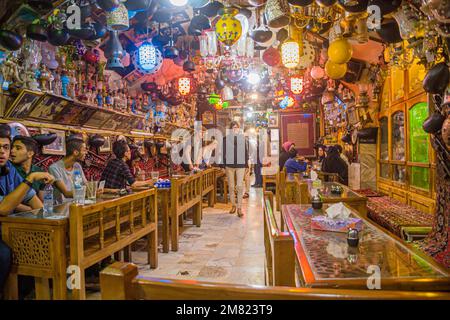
[(208, 118), (22, 105), (48, 108), (98, 118), (273, 120), (106, 147), (58, 147), (113, 123)]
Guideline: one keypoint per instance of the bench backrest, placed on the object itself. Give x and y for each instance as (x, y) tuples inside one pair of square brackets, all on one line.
[(103, 228), (279, 249), (208, 180), (120, 281), (186, 192)]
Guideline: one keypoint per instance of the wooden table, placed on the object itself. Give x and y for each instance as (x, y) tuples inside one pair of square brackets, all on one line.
[(44, 245), (353, 199), (324, 259)]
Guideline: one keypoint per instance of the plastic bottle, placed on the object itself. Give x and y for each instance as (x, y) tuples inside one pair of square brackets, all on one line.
[(48, 199), (77, 179)]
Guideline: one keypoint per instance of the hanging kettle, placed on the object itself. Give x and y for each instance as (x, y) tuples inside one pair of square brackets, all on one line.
[(10, 40), (437, 79)]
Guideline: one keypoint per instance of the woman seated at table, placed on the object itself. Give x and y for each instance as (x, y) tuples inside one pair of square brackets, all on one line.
[(117, 174), (333, 163), (294, 166)]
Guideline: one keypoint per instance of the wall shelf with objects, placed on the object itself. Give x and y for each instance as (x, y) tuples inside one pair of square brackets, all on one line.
[(406, 160)]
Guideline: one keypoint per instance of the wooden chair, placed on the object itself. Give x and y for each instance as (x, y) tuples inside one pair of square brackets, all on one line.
[(121, 281), (97, 231), (279, 248), (209, 185), (186, 193), (328, 177)]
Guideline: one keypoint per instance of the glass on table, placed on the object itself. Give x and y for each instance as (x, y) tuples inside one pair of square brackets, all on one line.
[(155, 175), (91, 190), (79, 195)]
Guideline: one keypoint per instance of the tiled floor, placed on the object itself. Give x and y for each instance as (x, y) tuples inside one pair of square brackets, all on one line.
[(225, 248)]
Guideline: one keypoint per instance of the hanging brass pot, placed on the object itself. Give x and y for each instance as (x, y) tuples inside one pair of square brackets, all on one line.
[(277, 13)]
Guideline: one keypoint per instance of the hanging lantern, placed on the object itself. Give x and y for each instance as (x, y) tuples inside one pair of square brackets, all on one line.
[(317, 73), (114, 52), (147, 58), (228, 28), (118, 19), (184, 86), (290, 54), (296, 84)]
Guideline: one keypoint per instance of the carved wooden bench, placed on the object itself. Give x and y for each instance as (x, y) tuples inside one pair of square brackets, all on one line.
[(209, 185), (121, 281), (99, 230), (186, 193), (279, 248)]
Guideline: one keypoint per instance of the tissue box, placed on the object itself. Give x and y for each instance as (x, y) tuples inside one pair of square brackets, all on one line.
[(336, 225)]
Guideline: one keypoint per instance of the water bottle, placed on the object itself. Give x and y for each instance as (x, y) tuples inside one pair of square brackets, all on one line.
[(78, 186), (48, 199)]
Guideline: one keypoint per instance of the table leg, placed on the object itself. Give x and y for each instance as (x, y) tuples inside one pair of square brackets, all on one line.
[(80, 292), (165, 222), (198, 214), (12, 287), (127, 253), (175, 230), (153, 249), (42, 288)]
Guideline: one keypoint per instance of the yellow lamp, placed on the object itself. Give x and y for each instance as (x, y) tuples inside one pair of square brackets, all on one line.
[(340, 51), (228, 28), (290, 54), (335, 70)]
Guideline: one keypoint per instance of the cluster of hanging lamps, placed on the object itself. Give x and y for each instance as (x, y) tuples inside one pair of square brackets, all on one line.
[(118, 19)]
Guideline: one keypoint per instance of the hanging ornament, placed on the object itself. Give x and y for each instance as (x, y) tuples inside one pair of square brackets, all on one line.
[(308, 56), (335, 70), (317, 73), (296, 84), (184, 85), (340, 51), (290, 54), (228, 28), (272, 57)]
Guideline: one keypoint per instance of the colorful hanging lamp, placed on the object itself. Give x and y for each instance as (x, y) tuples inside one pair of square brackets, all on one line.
[(296, 84), (290, 54), (118, 18), (184, 85), (228, 28), (147, 58)]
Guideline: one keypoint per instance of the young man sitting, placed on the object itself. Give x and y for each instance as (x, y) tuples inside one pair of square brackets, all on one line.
[(292, 166), (117, 173), (63, 169), (22, 153), (14, 191)]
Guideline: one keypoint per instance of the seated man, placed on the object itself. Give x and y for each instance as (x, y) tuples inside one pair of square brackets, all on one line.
[(22, 154), (117, 173), (63, 169), (292, 165), (14, 190)]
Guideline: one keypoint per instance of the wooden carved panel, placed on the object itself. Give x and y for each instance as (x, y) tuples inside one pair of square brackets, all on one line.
[(31, 247)]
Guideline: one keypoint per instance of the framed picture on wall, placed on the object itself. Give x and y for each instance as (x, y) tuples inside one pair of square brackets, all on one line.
[(58, 147), (23, 104), (98, 118), (352, 115), (69, 113), (48, 108), (273, 120), (106, 147), (208, 118)]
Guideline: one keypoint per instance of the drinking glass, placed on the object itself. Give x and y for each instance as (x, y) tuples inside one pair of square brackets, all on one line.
[(91, 190), (79, 195), (155, 175)]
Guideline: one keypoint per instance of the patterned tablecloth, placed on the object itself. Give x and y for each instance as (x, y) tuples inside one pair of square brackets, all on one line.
[(329, 257), (393, 215)]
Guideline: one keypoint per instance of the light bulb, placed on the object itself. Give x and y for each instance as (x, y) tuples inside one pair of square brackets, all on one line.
[(253, 78), (179, 3)]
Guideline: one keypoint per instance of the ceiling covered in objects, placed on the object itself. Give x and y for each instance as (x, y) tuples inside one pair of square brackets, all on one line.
[(248, 38)]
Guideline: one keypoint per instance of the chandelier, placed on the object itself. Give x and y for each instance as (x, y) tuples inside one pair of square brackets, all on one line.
[(314, 15)]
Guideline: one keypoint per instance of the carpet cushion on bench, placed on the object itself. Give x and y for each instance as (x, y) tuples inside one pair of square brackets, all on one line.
[(392, 215), (368, 193)]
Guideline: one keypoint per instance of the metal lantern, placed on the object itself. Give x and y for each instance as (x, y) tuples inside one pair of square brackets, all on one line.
[(114, 52), (296, 85), (147, 58), (118, 19), (290, 54), (184, 86), (228, 28)]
